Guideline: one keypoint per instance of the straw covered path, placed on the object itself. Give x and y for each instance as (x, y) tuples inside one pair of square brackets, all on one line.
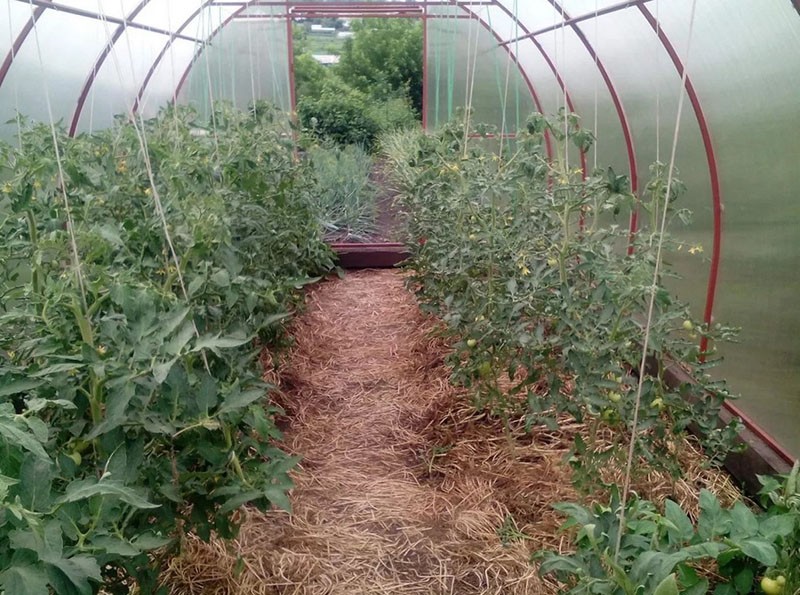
[(364, 390), (402, 487)]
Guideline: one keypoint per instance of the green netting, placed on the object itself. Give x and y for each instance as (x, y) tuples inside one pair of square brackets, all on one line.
[(461, 51), (248, 60)]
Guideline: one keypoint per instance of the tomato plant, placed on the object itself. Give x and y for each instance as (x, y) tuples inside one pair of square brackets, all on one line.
[(131, 402), (524, 257), (655, 545)]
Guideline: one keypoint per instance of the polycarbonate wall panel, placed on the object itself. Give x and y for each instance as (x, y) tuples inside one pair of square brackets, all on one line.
[(563, 54), (745, 64), (119, 79), (59, 74), (461, 50), (247, 60), (161, 86)]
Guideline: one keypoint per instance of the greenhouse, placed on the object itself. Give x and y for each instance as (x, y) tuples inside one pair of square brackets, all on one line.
[(399, 296)]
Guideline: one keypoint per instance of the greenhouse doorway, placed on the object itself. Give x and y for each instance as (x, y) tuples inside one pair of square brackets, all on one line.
[(345, 99)]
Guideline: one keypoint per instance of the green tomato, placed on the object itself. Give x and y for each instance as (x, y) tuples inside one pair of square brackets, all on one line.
[(614, 397), (609, 415), (471, 343), (76, 458), (687, 325), (657, 403), (485, 369), (781, 580), (770, 586)]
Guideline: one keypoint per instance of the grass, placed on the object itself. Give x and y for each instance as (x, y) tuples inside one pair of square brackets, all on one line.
[(346, 199)]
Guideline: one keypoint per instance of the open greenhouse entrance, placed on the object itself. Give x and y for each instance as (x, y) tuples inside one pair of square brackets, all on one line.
[(357, 72)]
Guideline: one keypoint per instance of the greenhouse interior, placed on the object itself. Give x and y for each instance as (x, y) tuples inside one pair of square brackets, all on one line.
[(399, 296)]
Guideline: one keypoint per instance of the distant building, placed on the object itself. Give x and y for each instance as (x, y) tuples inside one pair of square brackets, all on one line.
[(326, 59), (320, 30)]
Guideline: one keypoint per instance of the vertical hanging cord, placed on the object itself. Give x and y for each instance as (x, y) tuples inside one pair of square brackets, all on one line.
[(451, 61), (564, 85), (171, 50), (17, 116), (212, 104), (259, 86), (595, 125), (651, 305), (252, 67), (505, 95), (518, 78), (434, 54), (658, 84), (76, 260), (467, 105), (471, 83)]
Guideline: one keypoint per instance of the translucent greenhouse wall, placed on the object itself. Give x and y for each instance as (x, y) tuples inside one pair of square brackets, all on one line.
[(617, 64), (617, 72)]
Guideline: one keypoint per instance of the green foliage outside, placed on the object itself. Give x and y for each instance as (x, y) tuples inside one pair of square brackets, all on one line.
[(132, 407), (384, 59), (377, 87)]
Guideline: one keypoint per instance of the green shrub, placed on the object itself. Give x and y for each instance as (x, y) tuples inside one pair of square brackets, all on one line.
[(340, 115)]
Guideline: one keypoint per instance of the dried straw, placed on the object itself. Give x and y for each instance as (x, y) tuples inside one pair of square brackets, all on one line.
[(403, 487)]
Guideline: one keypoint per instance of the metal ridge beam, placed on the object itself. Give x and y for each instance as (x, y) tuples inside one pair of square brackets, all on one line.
[(98, 17), (583, 17)]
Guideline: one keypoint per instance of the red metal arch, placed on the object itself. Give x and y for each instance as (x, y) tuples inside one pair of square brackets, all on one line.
[(713, 170), (87, 85), (165, 49), (525, 77), (17, 45), (618, 106)]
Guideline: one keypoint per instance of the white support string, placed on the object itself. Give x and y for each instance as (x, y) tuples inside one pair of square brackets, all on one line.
[(653, 288), (658, 84), (467, 96), (561, 70), (511, 57), (250, 59), (17, 116), (212, 110), (596, 123), (171, 50), (76, 260)]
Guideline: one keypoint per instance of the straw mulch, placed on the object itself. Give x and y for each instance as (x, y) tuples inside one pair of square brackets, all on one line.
[(403, 488)]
